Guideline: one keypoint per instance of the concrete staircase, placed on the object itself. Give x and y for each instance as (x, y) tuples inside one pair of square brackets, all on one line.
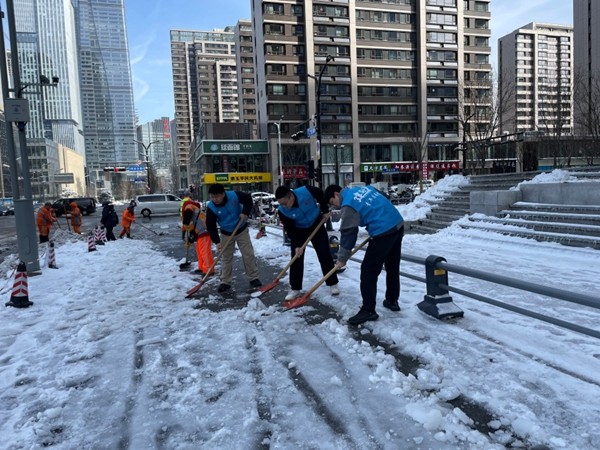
[(453, 205), (575, 225)]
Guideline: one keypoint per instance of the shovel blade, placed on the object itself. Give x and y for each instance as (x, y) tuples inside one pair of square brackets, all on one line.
[(266, 288), (296, 302), (195, 289)]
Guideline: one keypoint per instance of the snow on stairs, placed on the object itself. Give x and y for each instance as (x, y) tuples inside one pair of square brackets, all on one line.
[(455, 204), (573, 225)]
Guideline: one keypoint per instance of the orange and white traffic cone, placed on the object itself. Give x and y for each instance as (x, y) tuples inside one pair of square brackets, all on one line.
[(19, 298), (103, 234), (52, 257), (91, 242), (98, 235)]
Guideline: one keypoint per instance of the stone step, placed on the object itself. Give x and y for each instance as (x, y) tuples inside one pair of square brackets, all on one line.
[(561, 238), (416, 228), (556, 207), (541, 216), (456, 212), (550, 227)]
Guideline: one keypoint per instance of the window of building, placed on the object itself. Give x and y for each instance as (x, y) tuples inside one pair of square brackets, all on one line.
[(273, 8)]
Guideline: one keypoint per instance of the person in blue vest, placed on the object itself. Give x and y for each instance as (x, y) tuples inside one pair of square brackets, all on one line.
[(365, 206), (301, 211), (226, 209)]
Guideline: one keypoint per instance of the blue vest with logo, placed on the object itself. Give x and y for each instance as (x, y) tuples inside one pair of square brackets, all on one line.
[(228, 215), (307, 211), (376, 212)]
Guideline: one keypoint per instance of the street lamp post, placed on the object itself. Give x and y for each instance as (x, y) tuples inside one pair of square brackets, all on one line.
[(17, 111), (147, 154), (328, 59), (278, 125)]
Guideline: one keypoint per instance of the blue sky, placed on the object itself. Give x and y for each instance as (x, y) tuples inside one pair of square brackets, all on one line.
[(149, 24)]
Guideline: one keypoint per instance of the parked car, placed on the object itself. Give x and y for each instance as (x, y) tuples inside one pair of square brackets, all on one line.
[(7, 211), (157, 204), (87, 205), (264, 197)]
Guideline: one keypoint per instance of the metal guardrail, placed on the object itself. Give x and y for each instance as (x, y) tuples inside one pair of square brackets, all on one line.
[(436, 269), (438, 302)]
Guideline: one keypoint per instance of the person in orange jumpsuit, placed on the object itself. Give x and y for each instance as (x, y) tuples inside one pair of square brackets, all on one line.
[(44, 220), (126, 221), (76, 217), (194, 222)]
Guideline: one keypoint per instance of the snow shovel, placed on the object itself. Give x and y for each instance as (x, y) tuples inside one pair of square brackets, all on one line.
[(301, 300), (275, 282), (187, 262), (196, 288), (150, 229)]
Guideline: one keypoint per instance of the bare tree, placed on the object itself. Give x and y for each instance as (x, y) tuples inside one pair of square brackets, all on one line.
[(587, 113), (483, 103), (556, 117)]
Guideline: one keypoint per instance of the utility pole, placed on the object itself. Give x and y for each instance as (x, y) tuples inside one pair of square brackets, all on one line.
[(17, 111), (147, 155), (328, 59), (278, 125)]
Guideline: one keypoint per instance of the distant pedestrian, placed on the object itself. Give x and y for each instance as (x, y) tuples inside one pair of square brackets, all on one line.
[(45, 218), (194, 224), (227, 209), (109, 219), (76, 217), (301, 211), (366, 207), (127, 219)]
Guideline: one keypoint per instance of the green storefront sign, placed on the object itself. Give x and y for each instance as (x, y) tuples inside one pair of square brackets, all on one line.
[(234, 147)]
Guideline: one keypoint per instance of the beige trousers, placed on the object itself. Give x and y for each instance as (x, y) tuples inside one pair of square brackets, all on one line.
[(245, 245)]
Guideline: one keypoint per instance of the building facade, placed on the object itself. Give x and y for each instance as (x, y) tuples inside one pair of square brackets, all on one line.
[(586, 30), (109, 120), (244, 51), (47, 46), (373, 88), (205, 86), (536, 62), (157, 151)]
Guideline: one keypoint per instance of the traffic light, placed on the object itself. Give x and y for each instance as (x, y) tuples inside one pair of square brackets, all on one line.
[(298, 135), (318, 174), (310, 169)]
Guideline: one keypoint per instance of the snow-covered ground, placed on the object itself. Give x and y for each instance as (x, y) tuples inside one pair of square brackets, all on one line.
[(111, 355)]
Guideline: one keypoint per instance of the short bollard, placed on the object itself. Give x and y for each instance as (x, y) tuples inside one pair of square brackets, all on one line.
[(437, 302)]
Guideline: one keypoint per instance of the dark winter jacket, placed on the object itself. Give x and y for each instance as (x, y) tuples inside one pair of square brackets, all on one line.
[(110, 219)]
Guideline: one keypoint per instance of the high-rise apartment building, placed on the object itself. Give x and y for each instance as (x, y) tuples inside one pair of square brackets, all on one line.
[(90, 109), (156, 135), (157, 150), (387, 78), (106, 88), (536, 65), (204, 83), (586, 31), (47, 46), (244, 51)]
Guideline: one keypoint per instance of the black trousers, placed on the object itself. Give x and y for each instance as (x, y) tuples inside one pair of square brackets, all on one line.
[(110, 236), (381, 251), (320, 243)]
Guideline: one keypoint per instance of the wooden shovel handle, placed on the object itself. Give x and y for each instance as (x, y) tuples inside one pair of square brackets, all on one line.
[(296, 256), (334, 270)]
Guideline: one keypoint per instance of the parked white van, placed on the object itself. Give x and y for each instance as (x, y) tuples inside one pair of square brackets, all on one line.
[(157, 204)]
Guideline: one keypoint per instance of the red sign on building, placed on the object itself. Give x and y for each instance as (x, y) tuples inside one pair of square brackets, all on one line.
[(294, 172)]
